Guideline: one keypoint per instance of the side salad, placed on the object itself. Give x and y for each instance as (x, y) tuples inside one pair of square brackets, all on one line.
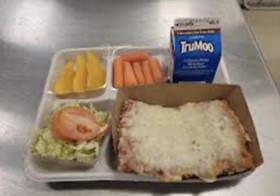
[(71, 132)]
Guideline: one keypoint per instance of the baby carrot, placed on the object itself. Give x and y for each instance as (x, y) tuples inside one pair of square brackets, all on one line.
[(138, 72), (118, 73), (147, 73), (155, 69), (129, 77), (134, 56)]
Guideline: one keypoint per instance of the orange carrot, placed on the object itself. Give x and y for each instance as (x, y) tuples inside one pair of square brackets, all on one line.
[(147, 73), (134, 56), (118, 73), (129, 77), (138, 72), (155, 69)]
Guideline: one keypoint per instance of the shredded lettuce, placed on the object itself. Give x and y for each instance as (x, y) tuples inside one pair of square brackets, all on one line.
[(101, 117), (45, 145)]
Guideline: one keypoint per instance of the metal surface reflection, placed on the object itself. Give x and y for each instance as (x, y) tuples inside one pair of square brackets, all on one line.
[(32, 30), (30, 23)]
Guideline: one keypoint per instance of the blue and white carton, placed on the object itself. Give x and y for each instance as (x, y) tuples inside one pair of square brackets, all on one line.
[(196, 49)]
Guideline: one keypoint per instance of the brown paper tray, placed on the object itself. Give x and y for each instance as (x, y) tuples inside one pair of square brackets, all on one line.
[(183, 93)]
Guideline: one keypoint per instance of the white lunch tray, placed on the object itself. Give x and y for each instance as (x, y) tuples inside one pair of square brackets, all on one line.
[(104, 168)]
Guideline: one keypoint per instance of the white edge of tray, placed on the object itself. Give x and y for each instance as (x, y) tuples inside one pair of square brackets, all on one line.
[(109, 94)]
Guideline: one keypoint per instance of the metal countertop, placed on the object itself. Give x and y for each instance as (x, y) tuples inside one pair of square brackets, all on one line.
[(32, 30)]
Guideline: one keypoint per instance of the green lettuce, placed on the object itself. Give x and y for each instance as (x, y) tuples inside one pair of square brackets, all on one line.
[(43, 143)]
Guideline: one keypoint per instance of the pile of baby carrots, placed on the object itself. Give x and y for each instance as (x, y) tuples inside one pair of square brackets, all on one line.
[(136, 68)]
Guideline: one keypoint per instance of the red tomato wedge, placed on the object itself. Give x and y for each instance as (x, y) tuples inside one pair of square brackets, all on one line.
[(76, 124)]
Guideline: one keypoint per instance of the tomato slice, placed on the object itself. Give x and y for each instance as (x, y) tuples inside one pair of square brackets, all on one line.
[(76, 124)]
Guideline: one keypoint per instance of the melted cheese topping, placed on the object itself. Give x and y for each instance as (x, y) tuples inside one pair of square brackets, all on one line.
[(192, 138)]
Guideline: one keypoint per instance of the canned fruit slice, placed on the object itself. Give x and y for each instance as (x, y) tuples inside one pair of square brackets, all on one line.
[(86, 73)]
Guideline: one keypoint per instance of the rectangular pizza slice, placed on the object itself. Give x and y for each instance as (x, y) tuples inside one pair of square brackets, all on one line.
[(203, 140)]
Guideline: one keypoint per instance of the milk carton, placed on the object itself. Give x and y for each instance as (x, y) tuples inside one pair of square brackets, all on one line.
[(196, 48)]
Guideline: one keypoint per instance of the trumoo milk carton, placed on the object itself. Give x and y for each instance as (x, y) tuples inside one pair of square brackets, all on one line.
[(196, 48)]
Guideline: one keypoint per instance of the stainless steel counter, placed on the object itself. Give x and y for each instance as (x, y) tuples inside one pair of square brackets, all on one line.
[(32, 30)]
